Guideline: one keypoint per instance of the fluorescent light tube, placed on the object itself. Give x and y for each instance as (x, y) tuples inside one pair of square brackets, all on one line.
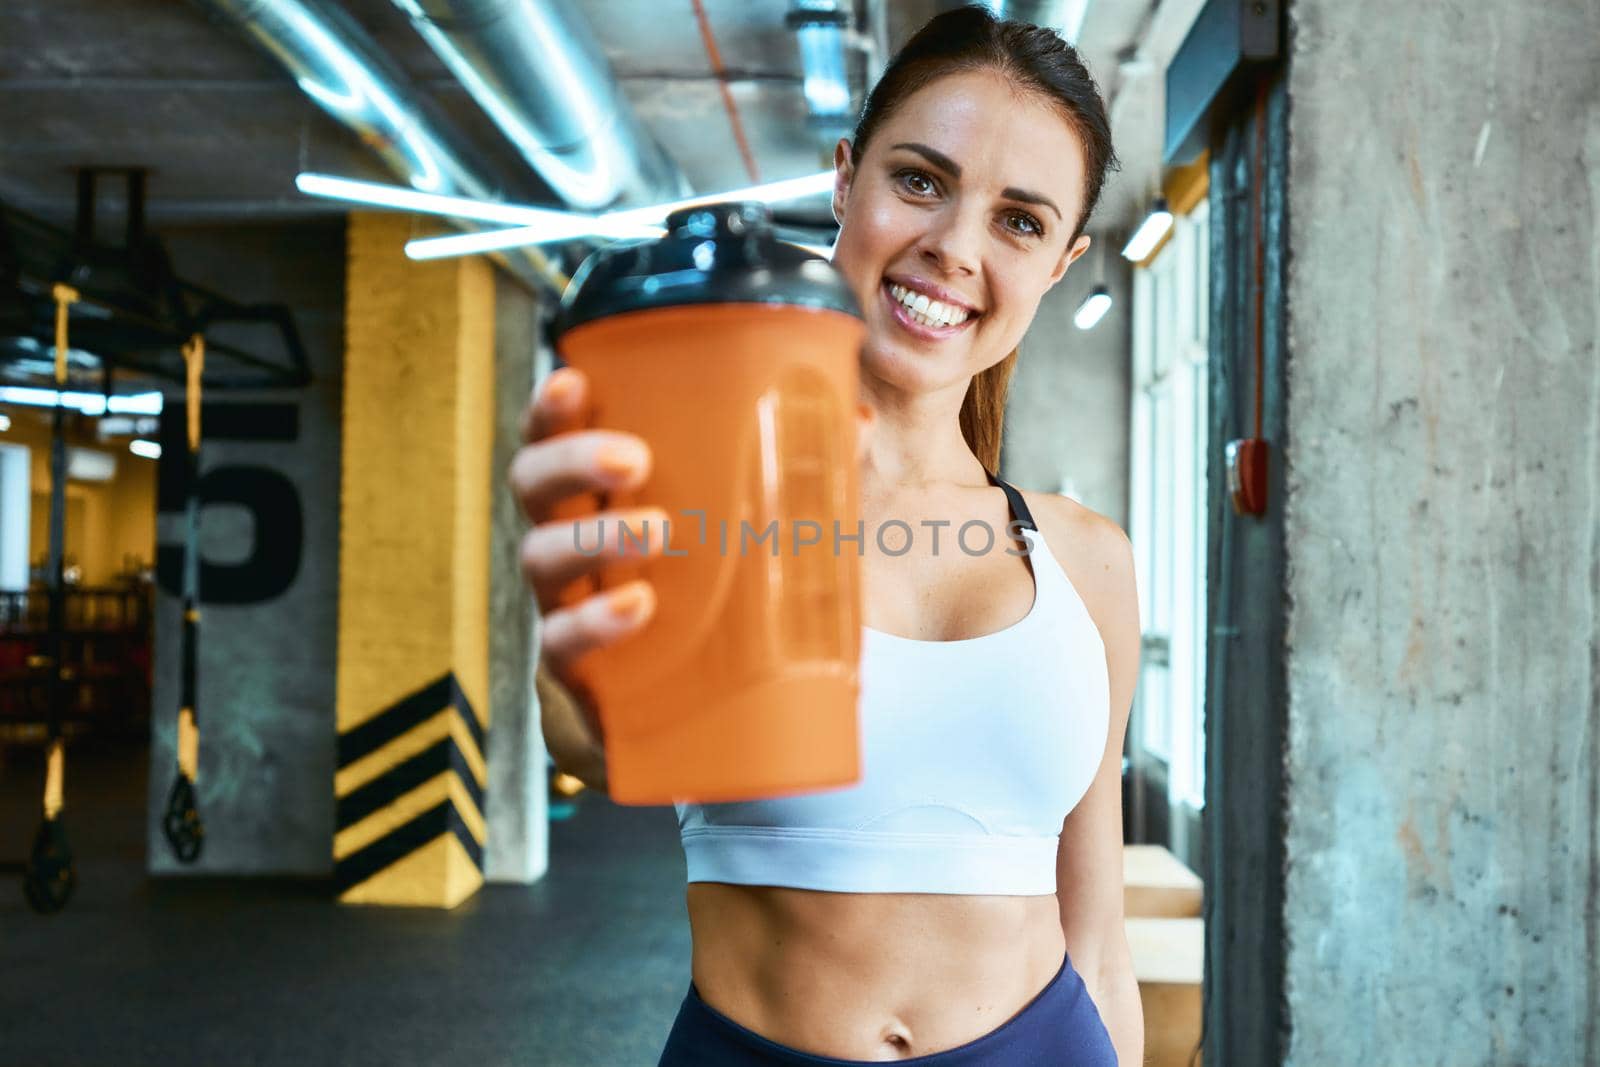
[(145, 449), (88, 465), (532, 225), (817, 250), (1150, 232), (1093, 308), (399, 196), (551, 225), (125, 426), (137, 404), (466, 244), (88, 403), (644, 221)]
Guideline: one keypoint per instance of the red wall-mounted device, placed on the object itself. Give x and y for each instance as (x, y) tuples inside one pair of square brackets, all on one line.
[(1247, 460)]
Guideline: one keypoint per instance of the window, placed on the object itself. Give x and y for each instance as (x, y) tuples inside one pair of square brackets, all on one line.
[(16, 470), (1167, 520)]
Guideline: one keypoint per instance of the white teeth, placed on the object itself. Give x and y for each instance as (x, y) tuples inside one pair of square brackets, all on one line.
[(927, 311)]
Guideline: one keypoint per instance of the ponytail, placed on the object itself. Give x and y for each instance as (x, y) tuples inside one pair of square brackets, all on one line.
[(983, 411)]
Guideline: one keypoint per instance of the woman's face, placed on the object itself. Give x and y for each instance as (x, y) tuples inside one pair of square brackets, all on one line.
[(966, 195)]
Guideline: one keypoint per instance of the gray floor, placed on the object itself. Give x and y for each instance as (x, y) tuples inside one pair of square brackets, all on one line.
[(585, 968)]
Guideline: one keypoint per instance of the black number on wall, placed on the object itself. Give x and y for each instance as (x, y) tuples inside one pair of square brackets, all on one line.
[(268, 495)]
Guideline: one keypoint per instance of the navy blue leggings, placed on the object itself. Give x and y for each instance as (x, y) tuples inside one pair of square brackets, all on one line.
[(1058, 1028)]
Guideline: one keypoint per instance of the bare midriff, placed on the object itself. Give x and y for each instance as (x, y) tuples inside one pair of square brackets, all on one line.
[(870, 976)]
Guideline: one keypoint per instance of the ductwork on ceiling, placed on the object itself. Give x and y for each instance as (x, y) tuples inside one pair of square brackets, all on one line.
[(536, 70), (338, 66)]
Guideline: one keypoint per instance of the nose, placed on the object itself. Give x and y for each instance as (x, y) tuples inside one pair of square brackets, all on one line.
[(952, 244)]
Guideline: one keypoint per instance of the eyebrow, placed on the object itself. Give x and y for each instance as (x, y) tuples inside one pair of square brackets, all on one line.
[(945, 163)]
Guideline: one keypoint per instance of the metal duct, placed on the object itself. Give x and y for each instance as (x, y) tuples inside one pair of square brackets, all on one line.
[(538, 72), (338, 66)]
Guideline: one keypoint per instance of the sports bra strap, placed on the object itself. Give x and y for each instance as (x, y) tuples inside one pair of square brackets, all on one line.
[(1019, 509)]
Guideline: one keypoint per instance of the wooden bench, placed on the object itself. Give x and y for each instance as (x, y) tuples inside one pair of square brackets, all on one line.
[(1169, 962), (1156, 884)]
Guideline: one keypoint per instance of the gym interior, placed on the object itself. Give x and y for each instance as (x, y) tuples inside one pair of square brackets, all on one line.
[(273, 783)]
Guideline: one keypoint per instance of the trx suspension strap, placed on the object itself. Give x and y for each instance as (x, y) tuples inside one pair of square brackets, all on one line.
[(49, 877), (182, 824)]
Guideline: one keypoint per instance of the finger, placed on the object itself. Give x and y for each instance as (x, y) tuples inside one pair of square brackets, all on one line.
[(560, 403), (556, 554), (567, 634), (546, 472)]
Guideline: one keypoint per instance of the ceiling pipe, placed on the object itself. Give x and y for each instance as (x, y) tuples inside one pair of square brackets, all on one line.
[(536, 69), (339, 67)]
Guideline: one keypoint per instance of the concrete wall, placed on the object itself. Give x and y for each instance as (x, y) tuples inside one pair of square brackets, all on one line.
[(266, 667), (1443, 535), (1067, 416)]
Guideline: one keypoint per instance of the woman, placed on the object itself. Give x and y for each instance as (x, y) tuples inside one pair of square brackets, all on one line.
[(982, 923)]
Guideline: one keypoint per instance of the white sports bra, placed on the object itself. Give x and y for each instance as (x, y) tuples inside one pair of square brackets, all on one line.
[(973, 752)]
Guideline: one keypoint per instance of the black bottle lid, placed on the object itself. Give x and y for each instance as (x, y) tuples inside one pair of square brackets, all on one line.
[(722, 253)]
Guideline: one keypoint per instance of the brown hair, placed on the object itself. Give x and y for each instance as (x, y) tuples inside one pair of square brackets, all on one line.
[(1038, 60)]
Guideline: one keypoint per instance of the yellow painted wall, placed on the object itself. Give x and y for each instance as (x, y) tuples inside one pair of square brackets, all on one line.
[(106, 521)]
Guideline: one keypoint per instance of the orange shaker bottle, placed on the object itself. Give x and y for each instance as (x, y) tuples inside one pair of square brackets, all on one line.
[(734, 355)]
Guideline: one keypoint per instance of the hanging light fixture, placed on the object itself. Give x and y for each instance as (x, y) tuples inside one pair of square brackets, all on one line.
[(1150, 231), (1093, 308), (1098, 302)]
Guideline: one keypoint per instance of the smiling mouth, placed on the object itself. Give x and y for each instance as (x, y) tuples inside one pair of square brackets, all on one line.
[(916, 309)]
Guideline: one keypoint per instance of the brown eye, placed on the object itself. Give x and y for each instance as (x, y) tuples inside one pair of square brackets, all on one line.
[(1029, 226), (916, 182)]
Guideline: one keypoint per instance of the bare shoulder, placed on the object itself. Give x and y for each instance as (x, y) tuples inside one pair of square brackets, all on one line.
[(1096, 554)]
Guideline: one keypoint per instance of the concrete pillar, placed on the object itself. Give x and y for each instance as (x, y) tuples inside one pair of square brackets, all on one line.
[(518, 805), (413, 685), (1443, 535)]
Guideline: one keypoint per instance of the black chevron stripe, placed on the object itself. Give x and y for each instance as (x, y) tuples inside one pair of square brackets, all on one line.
[(407, 713), (404, 840), (459, 699), (399, 780)]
